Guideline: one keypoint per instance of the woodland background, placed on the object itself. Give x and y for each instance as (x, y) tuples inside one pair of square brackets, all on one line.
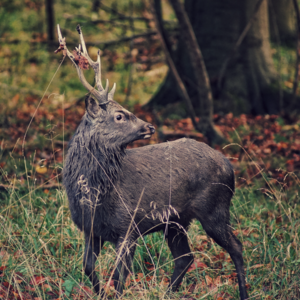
[(248, 98)]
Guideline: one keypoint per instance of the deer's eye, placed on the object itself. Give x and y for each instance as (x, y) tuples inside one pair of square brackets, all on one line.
[(119, 117)]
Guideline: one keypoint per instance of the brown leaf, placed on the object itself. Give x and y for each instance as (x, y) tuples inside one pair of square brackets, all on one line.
[(37, 280), (81, 61), (260, 266), (197, 264)]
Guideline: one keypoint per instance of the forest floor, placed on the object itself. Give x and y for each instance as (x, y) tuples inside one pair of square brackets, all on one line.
[(41, 250)]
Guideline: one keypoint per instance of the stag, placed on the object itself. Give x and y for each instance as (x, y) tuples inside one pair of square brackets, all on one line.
[(118, 195)]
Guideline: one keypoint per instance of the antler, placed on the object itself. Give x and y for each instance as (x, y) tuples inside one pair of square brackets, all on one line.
[(102, 94)]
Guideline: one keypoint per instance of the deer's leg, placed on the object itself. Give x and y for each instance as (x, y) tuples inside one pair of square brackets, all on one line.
[(125, 252), (178, 244), (93, 246), (223, 235)]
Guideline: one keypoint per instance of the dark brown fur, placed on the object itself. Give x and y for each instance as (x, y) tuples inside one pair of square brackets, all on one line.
[(170, 183)]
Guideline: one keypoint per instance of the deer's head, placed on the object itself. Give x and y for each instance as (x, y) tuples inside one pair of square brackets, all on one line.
[(106, 118)]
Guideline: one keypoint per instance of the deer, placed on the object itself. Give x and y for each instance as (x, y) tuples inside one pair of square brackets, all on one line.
[(119, 195)]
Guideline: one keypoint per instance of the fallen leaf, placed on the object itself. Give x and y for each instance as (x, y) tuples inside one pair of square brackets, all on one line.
[(41, 169), (37, 280), (209, 281), (197, 264)]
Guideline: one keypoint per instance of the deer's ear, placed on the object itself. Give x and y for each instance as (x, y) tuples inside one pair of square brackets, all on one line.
[(92, 106)]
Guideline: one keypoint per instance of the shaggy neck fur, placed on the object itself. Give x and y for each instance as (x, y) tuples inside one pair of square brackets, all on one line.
[(91, 166)]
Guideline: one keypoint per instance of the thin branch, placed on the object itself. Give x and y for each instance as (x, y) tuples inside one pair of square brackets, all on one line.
[(237, 44), (296, 78), (158, 11), (96, 44), (171, 64), (130, 19), (204, 92), (113, 20), (112, 10)]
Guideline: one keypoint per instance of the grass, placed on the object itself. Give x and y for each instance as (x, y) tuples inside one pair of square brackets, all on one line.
[(41, 250)]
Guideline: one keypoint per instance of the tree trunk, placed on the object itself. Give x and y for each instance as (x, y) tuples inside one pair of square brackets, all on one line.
[(248, 85), (96, 5), (198, 68), (282, 15), (50, 19)]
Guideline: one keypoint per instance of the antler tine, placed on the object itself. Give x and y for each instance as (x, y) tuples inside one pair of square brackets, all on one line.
[(62, 41), (96, 65), (106, 86), (112, 91), (78, 28), (98, 79), (63, 46)]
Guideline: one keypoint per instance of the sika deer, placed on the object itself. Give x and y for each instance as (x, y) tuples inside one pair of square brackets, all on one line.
[(119, 195)]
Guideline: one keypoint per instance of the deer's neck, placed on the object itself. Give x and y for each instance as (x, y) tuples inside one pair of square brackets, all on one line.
[(92, 166), (107, 166)]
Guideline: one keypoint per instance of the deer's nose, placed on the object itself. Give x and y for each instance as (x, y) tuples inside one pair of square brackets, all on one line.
[(152, 129)]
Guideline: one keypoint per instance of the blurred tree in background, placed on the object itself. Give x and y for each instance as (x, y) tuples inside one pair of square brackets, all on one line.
[(244, 80), (243, 44), (282, 20), (250, 82)]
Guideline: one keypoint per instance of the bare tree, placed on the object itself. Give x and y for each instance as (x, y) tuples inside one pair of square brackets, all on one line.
[(282, 13), (205, 97), (250, 84), (50, 19)]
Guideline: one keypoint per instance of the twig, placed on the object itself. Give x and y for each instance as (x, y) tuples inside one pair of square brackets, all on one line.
[(100, 44), (100, 21), (40, 102), (295, 85), (185, 95), (112, 10), (237, 44), (130, 19), (113, 20)]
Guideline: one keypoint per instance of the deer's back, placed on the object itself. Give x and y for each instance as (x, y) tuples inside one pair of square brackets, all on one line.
[(185, 173)]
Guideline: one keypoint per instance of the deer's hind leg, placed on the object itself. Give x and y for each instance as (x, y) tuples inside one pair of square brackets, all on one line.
[(217, 226), (180, 249)]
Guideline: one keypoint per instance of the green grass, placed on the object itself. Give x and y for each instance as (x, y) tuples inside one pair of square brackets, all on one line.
[(38, 240)]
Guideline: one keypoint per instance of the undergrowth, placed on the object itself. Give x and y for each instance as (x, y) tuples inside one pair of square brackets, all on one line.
[(41, 250)]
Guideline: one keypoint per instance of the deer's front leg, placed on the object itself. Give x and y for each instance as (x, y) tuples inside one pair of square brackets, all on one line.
[(125, 252), (93, 246)]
